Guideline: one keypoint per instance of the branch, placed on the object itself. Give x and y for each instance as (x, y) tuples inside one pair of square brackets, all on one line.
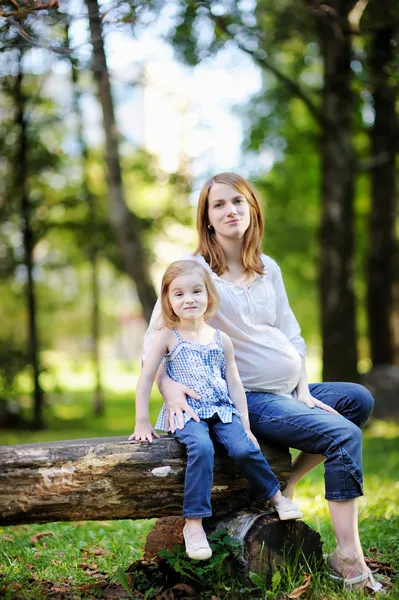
[(375, 162), (26, 9), (265, 64)]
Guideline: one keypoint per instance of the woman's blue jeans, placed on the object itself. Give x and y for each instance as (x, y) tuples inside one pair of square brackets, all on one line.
[(291, 423), (198, 439)]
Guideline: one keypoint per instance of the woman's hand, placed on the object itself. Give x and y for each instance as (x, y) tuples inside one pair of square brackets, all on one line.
[(312, 402), (174, 395), (143, 432), (252, 438)]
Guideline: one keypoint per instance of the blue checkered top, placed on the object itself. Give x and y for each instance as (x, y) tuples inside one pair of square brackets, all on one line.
[(202, 367)]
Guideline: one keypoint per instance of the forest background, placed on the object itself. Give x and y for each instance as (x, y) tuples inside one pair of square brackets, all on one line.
[(112, 115), (104, 147)]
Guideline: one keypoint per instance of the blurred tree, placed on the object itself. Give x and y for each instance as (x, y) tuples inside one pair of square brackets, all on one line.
[(22, 193), (380, 23), (263, 33), (127, 226), (92, 250)]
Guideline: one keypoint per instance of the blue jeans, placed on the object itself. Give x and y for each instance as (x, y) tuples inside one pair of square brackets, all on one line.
[(291, 423), (197, 437)]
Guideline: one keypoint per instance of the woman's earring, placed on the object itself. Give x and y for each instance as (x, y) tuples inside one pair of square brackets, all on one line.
[(210, 227)]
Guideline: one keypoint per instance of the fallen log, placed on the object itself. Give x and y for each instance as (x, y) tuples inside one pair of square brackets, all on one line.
[(111, 478)]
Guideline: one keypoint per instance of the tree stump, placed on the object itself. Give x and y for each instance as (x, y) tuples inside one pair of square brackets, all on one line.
[(267, 543)]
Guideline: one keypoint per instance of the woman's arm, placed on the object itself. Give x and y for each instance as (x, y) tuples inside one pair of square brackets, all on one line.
[(143, 430), (304, 395), (285, 318), (173, 393), (236, 389)]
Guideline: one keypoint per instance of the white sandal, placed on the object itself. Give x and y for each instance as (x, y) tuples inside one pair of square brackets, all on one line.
[(196, 550), (287, 512)]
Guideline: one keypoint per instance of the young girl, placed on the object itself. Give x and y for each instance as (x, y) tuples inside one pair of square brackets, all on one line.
[(202, 358)]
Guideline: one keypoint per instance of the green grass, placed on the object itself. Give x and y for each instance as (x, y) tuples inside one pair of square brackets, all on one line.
[(65, 557)]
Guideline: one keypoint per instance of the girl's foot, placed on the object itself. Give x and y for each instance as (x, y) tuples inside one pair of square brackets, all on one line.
[(352, 572), (287, 509), (197, 547)]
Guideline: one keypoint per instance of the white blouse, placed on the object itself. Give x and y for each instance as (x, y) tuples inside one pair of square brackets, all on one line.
[(259, 321)]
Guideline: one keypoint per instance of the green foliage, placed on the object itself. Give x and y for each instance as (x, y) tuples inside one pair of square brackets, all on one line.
[(207, 574), (260, 583)]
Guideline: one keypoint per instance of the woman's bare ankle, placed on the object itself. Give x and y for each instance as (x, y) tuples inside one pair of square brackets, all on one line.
[(288, 491)]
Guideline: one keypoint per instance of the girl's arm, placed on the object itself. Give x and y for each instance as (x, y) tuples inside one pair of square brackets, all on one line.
[(236, 389), (143, 430), (173, 393)]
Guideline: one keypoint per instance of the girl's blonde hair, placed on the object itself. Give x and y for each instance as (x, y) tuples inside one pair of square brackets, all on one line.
[(185, 267), (209, 247)]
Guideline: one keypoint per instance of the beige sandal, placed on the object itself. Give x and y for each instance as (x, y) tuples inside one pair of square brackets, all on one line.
[(370, 584)]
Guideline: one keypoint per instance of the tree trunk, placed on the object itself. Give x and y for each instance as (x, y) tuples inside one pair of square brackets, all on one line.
[(111, 478), (382, 232), (266, 541), (98, 400), (21, 179), (338, 172), (125, 224)]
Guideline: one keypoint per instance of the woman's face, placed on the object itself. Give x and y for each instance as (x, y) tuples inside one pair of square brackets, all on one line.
[(228, 211)]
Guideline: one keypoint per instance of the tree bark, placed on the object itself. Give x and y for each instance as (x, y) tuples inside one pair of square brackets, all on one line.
[(338, 173), (111, 478), (125, 224), (21, 182), (382, 220)]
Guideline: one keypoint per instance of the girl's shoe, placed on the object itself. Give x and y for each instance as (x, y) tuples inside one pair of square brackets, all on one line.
[(196, 550), (366, 578), (288, 510)]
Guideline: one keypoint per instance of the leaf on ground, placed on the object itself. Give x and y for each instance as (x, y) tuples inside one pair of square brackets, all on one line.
[(297, 593), (99, 552), (378, 566), (114, 591), (35, 538), (182, 587)]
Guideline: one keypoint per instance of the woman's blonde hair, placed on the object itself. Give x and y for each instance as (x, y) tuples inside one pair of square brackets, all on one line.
[(209, 247), (185, 267)]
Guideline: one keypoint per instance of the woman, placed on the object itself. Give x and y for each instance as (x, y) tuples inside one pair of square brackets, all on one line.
[(322, 420)]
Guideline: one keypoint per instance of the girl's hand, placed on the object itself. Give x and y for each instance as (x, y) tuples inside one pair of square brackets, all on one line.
[(143, 432), (252, 438), (174, 395), (313, 402)]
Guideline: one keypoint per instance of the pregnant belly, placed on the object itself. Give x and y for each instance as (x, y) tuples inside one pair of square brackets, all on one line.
[(269, 370)]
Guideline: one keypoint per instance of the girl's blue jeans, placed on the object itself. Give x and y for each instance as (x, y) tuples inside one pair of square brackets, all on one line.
[(197, 437), (289, 422)]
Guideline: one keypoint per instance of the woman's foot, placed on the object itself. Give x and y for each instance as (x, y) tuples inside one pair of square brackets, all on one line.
[(287, 509), (352, 572), (197, 546)]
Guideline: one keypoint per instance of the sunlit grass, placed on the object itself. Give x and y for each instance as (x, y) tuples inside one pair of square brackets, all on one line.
[(69, 415)]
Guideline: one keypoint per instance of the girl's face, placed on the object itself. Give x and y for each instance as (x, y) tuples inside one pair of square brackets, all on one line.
[(188, 297), (228, 211)]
